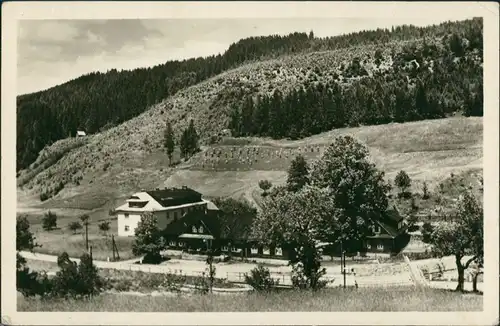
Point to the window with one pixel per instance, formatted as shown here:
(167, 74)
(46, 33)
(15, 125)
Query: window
(368, 246)
(171, 243)
(224, 248)
(254, 251)
(279, 252)
(380, 246)
(194, 229)
(126, 215)
(266, 251)
(181, 244)
(126, 228)
(234, 249)
(200, 229)
(376, 228)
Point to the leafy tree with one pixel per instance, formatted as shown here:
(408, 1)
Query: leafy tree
(169, 141)
(236, 218)
(76, 280)
(462, 237)
(74, 226)
(104, 226)
(311, 216)
(355, 185)
(260, 279)
(403, 182)
(265, 185)
(148, 239)
(298, 174)
(24, 238)
(27, 282)
(85, 219)
(49, 221)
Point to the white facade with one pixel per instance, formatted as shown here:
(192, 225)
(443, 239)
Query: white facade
(129, 214)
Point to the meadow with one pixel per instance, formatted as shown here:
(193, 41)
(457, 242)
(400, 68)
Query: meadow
(366, 299)
(445, 153)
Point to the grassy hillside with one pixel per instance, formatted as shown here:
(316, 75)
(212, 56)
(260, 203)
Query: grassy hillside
(369, 299)
(428, 150)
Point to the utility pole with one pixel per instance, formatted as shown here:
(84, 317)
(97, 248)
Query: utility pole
(343, 253)
(87, 235)
(113, 246)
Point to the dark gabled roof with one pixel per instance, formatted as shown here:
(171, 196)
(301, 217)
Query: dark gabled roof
(209, 219)
(389, 222)
(393, 215)
(175, 196)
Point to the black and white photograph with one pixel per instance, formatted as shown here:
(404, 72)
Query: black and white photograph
(191, 160)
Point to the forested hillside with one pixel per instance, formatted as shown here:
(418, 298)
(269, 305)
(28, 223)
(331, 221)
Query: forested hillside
(447, 77)
(426, 80)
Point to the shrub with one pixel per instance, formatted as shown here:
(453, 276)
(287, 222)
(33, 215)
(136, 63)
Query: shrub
(74, 280)
(49, 221)
(260, 279)
(104, 226)
(265, 185)
(427, 230)
(44, 196)
(74, 226)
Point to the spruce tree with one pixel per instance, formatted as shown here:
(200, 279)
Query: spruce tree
(192, 139)
(298, 174)
(169, 141)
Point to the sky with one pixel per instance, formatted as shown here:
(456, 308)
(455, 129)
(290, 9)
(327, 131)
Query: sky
(51, 52)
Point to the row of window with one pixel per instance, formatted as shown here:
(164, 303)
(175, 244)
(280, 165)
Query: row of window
(181, 211)
(266, 251)
(197, 230)
(379, 246)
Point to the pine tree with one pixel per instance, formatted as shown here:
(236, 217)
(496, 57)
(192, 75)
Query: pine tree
(169, 141)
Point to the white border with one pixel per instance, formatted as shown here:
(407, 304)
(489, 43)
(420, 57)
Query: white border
(13, 11)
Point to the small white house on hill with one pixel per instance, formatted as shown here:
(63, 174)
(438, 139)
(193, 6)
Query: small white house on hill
(80, 133)
(167, 204)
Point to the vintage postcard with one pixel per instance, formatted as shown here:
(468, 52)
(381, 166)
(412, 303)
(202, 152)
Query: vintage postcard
(250, 163)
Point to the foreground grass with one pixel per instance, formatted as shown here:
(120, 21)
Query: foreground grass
(368, 299)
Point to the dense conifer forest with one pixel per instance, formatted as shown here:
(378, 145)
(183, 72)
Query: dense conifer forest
(98, 101)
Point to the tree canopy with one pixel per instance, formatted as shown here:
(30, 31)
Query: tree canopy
(356, 186)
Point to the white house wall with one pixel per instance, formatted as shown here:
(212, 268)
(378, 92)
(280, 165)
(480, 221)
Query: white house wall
(163, 218)
(127, 224)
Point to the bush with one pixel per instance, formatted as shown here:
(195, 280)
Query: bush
(265, 185)
(427, 230)
(49, 221)
(44, 196)
(104, 226)
(74, 226)
(74, 280)
(260, 279)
